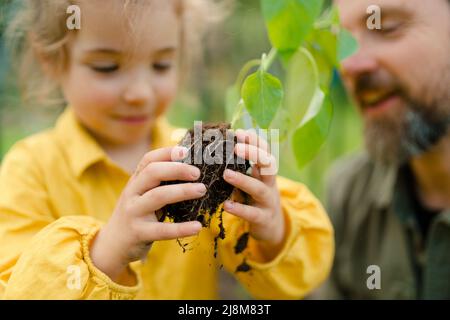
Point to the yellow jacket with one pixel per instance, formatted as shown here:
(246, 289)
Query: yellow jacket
(58, 187)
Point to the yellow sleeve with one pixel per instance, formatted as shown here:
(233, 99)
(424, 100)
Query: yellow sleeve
(305, 259)
(43, 256)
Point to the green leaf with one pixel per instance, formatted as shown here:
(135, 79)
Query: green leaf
(329, 18)
(347, 44)
(322, 44)
(312, 133)
(302, 79)
(262, 94)
(289, 21)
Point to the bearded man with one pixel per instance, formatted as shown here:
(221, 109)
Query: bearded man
(391, 205)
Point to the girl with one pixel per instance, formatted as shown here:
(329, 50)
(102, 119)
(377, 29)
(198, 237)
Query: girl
(77, 221)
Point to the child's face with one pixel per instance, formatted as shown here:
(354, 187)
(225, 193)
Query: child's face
(119, 79)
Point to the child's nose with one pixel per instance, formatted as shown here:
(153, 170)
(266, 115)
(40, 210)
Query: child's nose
(139, 90)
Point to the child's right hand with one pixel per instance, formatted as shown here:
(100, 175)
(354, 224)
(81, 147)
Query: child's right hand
(132, 228)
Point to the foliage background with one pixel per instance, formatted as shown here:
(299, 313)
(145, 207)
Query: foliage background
(242, 37)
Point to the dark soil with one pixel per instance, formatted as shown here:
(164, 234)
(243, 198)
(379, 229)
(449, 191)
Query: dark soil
(243, 267)
(218, 190)
(241, 243)
(240, 246)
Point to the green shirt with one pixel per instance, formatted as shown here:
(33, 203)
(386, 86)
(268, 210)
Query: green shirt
(379, 221)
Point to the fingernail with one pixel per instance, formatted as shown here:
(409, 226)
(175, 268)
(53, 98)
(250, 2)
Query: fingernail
(265, 160)
(179, 153)
(240, 150)
(229, 204)
(183, 151)
(200, 188)
(229, 174)
(195, 173)
(196, 227)
(241, 135)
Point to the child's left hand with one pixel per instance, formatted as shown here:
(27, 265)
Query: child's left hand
(264, 213)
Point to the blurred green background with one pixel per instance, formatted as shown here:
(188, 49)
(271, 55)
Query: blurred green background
(242, 37)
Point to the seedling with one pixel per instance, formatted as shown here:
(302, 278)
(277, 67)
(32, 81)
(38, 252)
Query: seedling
(309, 43)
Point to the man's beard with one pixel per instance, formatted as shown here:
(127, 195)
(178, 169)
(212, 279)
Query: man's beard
(396, 141)
(414, 130)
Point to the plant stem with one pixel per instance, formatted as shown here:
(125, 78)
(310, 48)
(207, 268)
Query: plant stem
(323, 24)
(245, 70)
(239, 81)
(268, 60)
(237, 114)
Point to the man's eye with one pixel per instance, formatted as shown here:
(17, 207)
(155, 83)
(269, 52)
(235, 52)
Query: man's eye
(390, 29)
(162, 66)
(105, 69)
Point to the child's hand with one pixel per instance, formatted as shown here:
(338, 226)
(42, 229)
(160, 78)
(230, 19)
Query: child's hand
(264, 213)
(134, 225)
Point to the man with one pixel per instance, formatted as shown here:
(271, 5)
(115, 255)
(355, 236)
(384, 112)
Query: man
(391, 205)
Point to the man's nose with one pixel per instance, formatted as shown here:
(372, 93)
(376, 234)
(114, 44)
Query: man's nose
(140, 89)
(359, 63)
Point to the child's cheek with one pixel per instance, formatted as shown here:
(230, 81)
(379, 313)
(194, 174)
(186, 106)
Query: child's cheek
(167, 92)
(101, 93)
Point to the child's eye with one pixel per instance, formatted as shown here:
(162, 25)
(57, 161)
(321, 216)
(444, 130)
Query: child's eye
(105, 68)
(162, 66)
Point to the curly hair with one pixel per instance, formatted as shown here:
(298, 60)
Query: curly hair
(38, 31)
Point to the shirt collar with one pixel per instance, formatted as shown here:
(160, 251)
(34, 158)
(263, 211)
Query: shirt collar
(82, 149)
(399, 195)
(404, 199)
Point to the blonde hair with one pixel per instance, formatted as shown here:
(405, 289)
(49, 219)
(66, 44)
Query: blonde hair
(38, 33)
